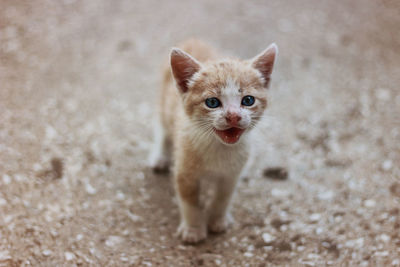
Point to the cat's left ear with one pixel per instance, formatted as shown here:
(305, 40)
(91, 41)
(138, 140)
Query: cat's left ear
(183, 66)
(265, 61)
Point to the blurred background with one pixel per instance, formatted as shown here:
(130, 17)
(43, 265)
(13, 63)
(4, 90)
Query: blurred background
(78, 88)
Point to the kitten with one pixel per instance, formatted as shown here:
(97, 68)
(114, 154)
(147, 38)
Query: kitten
(208, 107)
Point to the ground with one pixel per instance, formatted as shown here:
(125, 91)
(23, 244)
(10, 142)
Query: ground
(78, 87)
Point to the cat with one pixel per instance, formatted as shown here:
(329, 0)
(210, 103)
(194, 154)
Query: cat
(208, 107)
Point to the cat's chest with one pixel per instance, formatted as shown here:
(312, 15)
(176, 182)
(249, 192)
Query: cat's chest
(225, 160)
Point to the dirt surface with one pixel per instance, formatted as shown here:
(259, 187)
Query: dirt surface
(78, 86)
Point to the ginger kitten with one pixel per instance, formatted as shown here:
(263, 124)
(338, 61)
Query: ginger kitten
(208, 107)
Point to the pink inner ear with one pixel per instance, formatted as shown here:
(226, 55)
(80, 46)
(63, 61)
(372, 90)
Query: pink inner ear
(264, 63)
(183, 68)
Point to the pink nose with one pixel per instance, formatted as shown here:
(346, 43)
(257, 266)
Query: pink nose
(233, 118)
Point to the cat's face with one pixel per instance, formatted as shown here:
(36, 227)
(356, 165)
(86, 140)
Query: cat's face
(223, 99)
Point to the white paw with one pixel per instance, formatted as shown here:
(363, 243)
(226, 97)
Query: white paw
(160, 164)
(191, 234)
(220, 225)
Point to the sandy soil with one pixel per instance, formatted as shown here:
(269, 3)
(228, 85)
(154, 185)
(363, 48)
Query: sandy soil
(78, 83)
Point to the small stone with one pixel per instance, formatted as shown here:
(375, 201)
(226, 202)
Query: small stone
(133, 217)
(6, 179)
(57, 166)
(79, 237)
(3, 202)
(301, 248)
(90, 189)
(120, 195)
(315, 217)
(248, 254)
(382, 253)
(396, 262)
(384, 237)
(382, 94)
(326, 195)
(113, 240)
(395, 189)
(387, 165)
(4, 255)
(53, 233)
(313, 256)
(369, 203)
(267, 238)
(47, 252)
(51, 133)
(279, 192)
(276, 173)
(69, 256)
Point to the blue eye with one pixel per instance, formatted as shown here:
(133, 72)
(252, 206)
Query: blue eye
(213, 102)
(248, 100)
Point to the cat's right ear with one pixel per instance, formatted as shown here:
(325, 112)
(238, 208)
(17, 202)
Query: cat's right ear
(183, 66)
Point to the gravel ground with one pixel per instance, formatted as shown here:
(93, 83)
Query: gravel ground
(78, 86)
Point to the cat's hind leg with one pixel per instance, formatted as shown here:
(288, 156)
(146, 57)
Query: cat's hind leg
(160, 154)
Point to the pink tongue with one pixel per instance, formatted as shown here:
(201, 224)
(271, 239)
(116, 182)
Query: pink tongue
(230, 135)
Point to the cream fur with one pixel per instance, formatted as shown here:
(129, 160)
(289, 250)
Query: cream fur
(186, 137)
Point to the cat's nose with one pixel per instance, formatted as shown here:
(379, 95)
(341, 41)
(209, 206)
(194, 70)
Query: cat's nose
(233, 119)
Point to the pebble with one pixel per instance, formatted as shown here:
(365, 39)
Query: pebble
(53, 233)
(382, 94)
(382, 253)
(387, 165)
(267, 237)
(113, 240)
(313, 256)
(120, 195)
(69, 256)
(6, 179)
(248, 254)
(133, 217)
(300, 248)
(47, 252)
(3, 202)
(355, 243)
(306, 263)
(4, 255)
(384, 237)
(51, 133)
(369, 203)
(90, 189)
(326, 195)
(315, 217)
(279, 192)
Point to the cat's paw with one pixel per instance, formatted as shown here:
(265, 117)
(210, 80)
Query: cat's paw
(191, 234)
(160, 165)
(220, 225)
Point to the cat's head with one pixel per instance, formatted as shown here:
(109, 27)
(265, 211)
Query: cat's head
(223, 98)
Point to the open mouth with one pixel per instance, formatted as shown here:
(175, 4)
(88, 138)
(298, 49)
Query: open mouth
(231, 135)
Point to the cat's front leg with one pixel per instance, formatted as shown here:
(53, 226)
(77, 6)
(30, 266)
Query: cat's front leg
(192, 228)
(219, 217)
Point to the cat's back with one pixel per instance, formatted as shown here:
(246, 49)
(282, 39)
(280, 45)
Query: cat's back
(170, 104)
